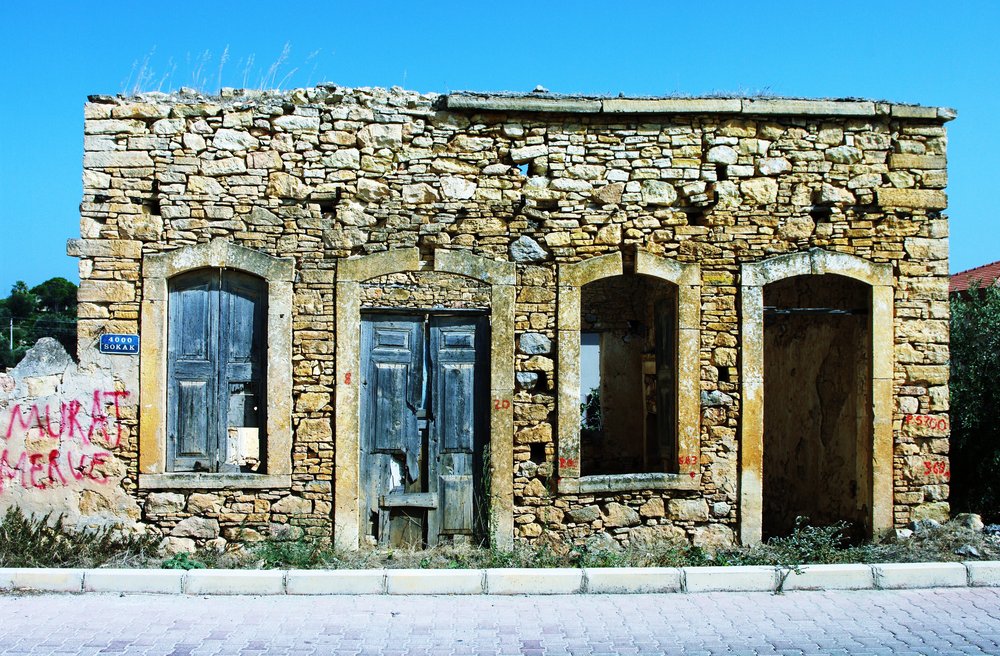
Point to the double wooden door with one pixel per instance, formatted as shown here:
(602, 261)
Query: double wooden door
(422, 425)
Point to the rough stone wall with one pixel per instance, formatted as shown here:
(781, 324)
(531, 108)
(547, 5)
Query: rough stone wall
(327, 173)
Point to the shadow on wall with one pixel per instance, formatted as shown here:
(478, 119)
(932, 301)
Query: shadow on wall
(62, 426)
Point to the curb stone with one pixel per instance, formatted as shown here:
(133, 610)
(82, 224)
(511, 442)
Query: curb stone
(623, 580)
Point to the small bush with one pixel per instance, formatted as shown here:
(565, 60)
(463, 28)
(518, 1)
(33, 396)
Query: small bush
(47, 542)
(182, 561)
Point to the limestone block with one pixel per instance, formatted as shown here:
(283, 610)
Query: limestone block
(381, 135)
(316, 582)
(224, 166)
(657, 192)
(912, 198)
(142, 581)
(200, 503)
(939, 511)
(535, 488)
(267, 159)
(452, 165)
(633, 580)
(292, 505)
(114, 126)
(692, 510)
(169, 126)
(616, 514)
(296, 123)
(549, 515)
(196, 527)
(899, 576)
(833, 195)
(105, 291)
(457, 188)
(610, 235)
(652, 508)
(797, 227)
(344, 158)
(715, 536)
(830, 577)
(657, 536)
(234, 582)
(535, 344)
(730, 579)
(283, 185)
(722, 155)
(908, 161)
(202, 186)
(773, 166)
(228, 139)
(843, 155)
(528, 153)
(526, 249)
(584, 515)
(609, 194)
(760, 191)
(419, 194)
(117, 159)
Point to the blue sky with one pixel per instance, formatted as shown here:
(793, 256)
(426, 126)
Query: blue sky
(56, 53)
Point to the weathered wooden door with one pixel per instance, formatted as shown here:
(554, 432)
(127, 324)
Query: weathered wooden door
(215, 363)
(422, 425)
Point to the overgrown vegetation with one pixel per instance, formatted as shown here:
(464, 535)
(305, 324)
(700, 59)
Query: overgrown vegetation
(975, 402)
(27, 315)
(47, 542)
(806, 545)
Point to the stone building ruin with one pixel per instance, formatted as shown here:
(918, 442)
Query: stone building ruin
(387, 317)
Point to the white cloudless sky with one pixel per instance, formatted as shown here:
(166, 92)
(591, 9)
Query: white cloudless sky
(54, 54)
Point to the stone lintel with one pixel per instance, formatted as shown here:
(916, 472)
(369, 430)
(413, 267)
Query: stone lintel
(673, 106)
(119, 248)
(629, 483)
(464, 263)
(378, 264)
(213, 481)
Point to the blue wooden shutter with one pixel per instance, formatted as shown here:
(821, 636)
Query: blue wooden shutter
(241, 349)
(192, 354)
(393, 381)
(456, 343)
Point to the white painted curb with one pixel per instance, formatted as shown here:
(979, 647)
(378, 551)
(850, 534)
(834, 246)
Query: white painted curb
(828, 577)
(620, 580)
(534, 581)
(434, 581)
(904, 576)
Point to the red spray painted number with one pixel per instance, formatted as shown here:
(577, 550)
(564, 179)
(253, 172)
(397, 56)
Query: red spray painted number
(567, 462)
(501, 404)
(927, 421)
(347, 378)
(939, 468)
(687, 460)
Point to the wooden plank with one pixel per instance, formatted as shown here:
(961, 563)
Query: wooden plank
(409, 500)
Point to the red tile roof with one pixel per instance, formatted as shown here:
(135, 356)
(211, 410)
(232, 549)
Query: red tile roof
(986, 275)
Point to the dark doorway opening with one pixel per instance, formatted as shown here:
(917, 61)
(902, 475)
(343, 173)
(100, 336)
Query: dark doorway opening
(818, 433)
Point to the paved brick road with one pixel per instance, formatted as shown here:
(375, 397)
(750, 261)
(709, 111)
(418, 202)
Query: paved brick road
(963, 621)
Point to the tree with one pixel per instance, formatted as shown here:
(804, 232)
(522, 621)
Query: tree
(47, 310)
(975, 402)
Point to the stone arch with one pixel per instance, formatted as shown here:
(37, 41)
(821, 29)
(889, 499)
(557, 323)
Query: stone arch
(571, 278)
(755, 276)
(157, 270)
(500, 276)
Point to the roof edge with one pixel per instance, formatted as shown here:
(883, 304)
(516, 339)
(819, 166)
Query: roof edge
(748, 106)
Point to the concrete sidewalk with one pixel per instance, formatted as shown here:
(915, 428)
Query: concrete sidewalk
(893, 576)
(934, 621)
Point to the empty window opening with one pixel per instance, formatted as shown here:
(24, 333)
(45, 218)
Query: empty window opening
(628, 412)
(817, 403)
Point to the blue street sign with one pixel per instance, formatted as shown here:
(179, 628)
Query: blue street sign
(119, 344)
